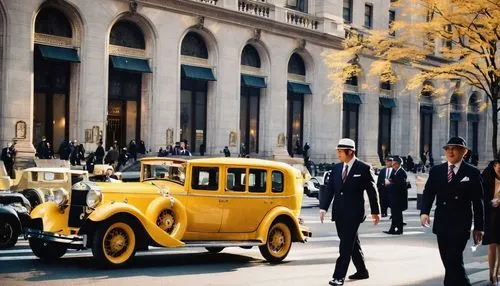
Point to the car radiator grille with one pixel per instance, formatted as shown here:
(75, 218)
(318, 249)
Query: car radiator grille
(77, 208)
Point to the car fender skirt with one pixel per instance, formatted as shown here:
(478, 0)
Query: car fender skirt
(160, 205)
(105, 211)
(52, 217)
(285, 215)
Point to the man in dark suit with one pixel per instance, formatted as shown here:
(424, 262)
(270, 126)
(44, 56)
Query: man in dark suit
(397, 190)
(346, 185)
(383, 196)
(456, 185)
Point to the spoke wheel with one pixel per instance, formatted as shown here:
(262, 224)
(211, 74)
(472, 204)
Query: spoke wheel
(114, 243)
(167, 221)
(279, 242)
(8, 234)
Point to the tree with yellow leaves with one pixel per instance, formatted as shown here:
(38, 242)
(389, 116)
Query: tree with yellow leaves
(448, 41)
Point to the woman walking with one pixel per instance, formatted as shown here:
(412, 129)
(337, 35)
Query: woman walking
(491, 177)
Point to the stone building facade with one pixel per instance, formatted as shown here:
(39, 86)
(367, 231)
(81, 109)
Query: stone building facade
(215, 73)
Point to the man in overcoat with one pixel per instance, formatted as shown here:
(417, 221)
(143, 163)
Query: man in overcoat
(397, 190)
(385, 173)
(458, 190)
(346, 185)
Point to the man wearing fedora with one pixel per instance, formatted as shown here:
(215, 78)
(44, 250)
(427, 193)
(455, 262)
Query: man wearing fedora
(397, 189)
(458, 190)
(346, 185)
(382, 181)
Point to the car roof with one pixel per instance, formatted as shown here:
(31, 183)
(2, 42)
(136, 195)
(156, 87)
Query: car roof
(55, 170)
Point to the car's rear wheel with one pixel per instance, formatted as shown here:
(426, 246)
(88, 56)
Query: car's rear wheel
(114, 243)
(214, 250)
(279, 242)
(47, 250)
(8, 232)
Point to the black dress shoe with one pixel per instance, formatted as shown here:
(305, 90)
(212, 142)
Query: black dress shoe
(359, 275)
(336, 282)
(389, 231)
(404, 223)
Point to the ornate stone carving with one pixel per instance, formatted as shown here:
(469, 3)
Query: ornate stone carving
(233, 137)
(133, 6)
(281, 140)
(301, 44)
(200, 22)
(126, 51)
(257, 34)
(20, 130)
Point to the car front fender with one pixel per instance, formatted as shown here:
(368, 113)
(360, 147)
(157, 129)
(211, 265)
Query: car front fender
(107, 210)
(52, 217)
(285, 215)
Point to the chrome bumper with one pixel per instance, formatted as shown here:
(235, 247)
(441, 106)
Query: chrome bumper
(71, 241)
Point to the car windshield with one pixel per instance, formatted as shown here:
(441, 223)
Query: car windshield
(165, 171)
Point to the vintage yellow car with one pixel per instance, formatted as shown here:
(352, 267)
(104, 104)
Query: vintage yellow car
(41, 184)
(212, 203)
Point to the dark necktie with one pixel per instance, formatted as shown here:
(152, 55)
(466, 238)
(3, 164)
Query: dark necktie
(344, 174)
(451, 174)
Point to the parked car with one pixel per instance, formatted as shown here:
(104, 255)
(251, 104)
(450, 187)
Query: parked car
(39, 184)
(311, 187)
(130, 173)
(14, 212)
(212, 203)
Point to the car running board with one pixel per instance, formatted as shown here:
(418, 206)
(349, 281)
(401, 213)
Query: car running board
(216, 243)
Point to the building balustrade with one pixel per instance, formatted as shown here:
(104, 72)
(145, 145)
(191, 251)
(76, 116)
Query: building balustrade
(258, 8)
(301, 19)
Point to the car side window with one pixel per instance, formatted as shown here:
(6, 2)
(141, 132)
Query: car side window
(205, 178)
(235, 179)
(277, 182)
(257, 181)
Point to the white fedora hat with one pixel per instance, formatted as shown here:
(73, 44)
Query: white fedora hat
(346, 143)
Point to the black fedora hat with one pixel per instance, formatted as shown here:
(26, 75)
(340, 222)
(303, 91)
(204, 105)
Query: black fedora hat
(456, 141)
(397, 159)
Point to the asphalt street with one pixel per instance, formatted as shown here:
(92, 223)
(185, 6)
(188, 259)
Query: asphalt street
(410, 259)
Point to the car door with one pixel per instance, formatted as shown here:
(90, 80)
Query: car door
(204, 207)
(246, 199)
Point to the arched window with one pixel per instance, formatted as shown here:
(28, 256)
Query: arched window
(455, 102)
(127, 34)
(193, 45)
(51, 21)
(296, 65)
(474, 103)
(250, 57)
(455, 115)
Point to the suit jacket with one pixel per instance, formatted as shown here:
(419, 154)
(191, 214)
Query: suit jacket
(453, 214)
(398, 190)
(348, 200)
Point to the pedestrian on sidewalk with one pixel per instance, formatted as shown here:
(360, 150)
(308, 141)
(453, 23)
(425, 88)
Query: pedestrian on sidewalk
(346, 185)
(491, 179)
(382, 180)
(456, 185)
(397, 193)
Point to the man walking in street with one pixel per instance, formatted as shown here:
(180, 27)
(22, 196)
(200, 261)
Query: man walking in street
(385, 174)
(456, 185)
(347, 183)
(397, 190)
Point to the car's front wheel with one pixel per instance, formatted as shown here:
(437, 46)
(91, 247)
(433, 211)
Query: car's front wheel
(47, 250)
(279, 242)
(8, 232)
(114, 243)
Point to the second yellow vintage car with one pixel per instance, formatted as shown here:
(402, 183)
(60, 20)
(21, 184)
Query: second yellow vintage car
(212, 203)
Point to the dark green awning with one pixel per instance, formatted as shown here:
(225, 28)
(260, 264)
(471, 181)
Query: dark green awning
(387, 102)
(455, 116)
(472, 117)
(352, 98)
(58, 53)
(253, 81)
(130, 64)
(199, 73)
(296, 87)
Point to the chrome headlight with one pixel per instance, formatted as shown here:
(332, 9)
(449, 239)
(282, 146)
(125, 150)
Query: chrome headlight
(94, 197)
(81, 186)
(60, 196)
